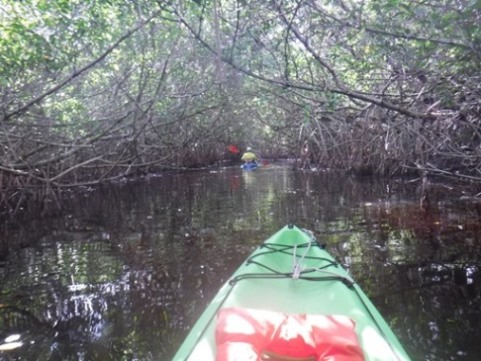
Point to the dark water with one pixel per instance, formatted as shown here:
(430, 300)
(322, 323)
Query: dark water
(125, 270)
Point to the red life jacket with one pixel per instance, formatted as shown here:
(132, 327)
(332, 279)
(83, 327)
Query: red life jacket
(258, 335)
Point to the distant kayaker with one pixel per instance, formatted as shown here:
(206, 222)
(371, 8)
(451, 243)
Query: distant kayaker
(249, 156)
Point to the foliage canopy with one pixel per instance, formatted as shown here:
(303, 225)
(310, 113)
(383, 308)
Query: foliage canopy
(96, 90)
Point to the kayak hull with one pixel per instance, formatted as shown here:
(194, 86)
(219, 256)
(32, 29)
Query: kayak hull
(318, 285)
(250, 166)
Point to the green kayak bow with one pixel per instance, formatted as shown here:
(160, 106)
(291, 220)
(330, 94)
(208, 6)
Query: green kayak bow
(291, 273)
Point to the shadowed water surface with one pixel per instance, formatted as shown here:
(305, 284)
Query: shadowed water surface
(124, 271)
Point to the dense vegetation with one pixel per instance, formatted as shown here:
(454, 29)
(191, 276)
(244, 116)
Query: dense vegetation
(100, 89)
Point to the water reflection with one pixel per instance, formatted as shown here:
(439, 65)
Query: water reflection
(124, 271)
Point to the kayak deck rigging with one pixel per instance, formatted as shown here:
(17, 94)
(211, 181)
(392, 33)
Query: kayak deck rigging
(297, 272)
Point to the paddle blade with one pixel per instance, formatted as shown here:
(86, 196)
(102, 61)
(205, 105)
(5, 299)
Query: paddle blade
(233, 149)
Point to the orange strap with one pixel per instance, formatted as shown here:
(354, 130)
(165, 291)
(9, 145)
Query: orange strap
(271, 356)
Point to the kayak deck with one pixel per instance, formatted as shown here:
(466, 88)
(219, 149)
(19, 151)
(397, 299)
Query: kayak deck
(294, 274)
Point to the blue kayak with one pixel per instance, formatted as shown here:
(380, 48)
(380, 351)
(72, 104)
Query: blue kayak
(250, 166)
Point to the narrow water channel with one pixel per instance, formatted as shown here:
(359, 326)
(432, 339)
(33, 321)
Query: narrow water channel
(124, 271)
